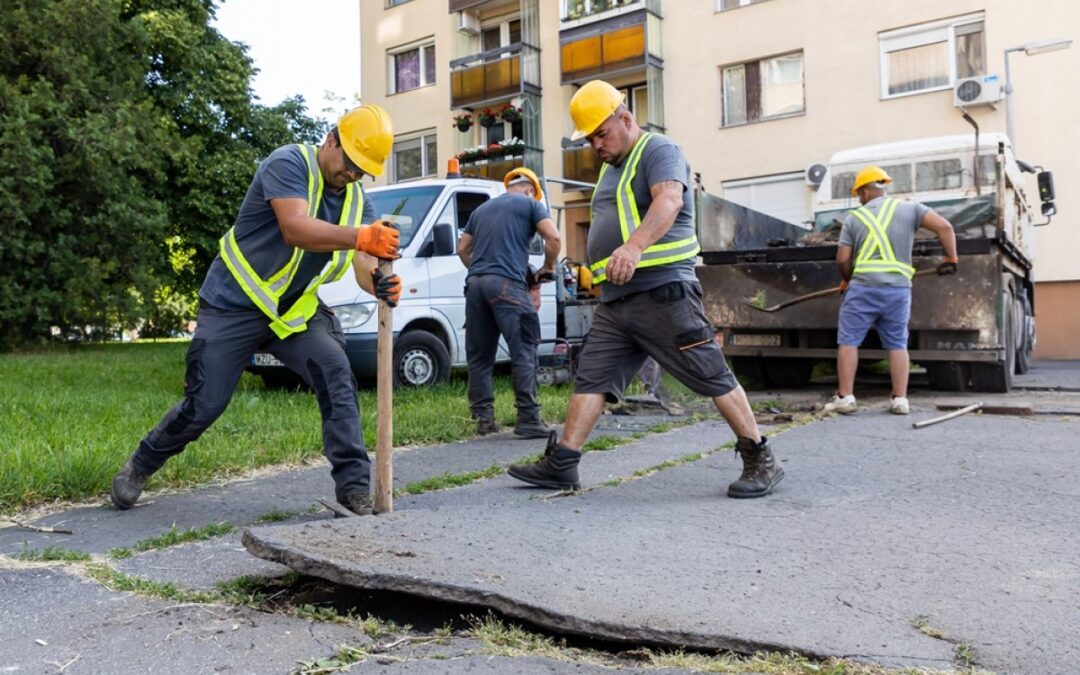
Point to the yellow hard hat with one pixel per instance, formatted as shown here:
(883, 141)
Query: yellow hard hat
(538, 194)
(867, 175)
(592, 105)
(367, 137)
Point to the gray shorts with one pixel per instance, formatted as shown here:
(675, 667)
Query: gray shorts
(666, 323)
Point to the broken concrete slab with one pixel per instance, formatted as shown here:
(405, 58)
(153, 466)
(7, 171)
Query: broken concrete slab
(873, 527)
(52, 619)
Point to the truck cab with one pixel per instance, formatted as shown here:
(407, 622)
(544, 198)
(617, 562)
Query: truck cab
(429, 321)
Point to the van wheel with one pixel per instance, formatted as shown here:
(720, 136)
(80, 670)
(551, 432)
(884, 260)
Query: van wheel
(420, 360)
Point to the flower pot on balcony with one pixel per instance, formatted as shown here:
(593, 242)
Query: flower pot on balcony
(486, 121)
(463, 125)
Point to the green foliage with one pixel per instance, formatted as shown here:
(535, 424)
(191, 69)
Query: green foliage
(52, 554)
(129, 135)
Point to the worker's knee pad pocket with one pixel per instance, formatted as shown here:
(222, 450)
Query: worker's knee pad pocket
(700, 352)
(335, 330)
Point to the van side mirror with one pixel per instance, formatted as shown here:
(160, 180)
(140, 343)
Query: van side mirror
(1046, 186)
(443, 237)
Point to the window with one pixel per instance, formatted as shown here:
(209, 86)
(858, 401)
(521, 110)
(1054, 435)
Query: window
(395, 3)
(900, 174)
(500, 35)
(412, 68)
(406, 207)
(762, 90)
(414, 157)
(722, 5)
(931, 57)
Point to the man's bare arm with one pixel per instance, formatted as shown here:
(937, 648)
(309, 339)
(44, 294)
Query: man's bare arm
(465, 249)
(552, 243)
(843, 261)
(937, 224)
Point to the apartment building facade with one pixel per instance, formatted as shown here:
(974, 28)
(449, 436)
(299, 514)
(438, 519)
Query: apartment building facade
(756, 91)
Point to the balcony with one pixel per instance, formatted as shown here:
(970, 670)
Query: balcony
(611, 43)
(574, 10)
(580, 163)
(485, 77)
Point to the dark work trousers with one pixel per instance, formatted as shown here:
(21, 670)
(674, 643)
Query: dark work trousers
(223, 344)
(494, 306)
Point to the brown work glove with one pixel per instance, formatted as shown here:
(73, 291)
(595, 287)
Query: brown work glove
(948, 267)
(379, 239)
(843, 286)
(387, 286)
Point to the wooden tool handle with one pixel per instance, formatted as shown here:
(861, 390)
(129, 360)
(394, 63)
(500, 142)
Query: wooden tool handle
(384, 407)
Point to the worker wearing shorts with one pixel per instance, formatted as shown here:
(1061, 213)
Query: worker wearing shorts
(874, 258)
(642, 251)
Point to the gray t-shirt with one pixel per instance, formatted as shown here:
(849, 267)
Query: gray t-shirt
(662, 160)
(901, 232)
(283, 174)
(502, 229)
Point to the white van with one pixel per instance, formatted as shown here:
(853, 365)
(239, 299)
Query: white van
(429, 321)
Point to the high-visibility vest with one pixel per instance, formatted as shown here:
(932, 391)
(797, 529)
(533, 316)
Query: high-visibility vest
(876, 253)
(664, 251)
(266, 293)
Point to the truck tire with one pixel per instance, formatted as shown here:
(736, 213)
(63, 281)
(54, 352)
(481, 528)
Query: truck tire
(1025, 342)
(750, 370)
(997, 377)
(420, 360)
(788, 373)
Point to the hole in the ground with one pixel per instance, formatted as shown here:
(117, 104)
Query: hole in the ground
(425, 615)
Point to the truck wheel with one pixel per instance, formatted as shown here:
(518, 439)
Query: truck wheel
(788, 373)
(420, 360)
(749, 369)
(1025, 342)
(997, 377)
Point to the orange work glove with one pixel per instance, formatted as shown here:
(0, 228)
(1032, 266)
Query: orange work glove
(843, 286)
(387, 286)
(948, 267)
(379, 239)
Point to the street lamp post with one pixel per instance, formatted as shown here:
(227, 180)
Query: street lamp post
(1031, 49)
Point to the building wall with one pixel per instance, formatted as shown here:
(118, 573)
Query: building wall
(1057, 323)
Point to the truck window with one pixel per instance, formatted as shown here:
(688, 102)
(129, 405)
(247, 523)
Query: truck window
(938, 174)
(406, 207)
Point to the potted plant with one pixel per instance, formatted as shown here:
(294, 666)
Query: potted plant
(463, 122)
(510, 113)
(486, 117)
(495, 151)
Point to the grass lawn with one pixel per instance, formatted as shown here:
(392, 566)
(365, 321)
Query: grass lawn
(69, 418)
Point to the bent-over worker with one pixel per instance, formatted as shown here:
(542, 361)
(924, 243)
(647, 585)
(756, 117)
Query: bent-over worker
(304, 221)
(499, 300)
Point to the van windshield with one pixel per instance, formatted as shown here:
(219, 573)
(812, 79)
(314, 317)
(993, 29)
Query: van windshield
(406, 207)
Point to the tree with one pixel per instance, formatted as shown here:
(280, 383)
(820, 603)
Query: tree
(128, 135)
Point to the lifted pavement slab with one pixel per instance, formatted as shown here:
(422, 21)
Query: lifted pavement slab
(970, 523)
(77, 626)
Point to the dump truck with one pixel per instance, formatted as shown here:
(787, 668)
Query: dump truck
(972, 331)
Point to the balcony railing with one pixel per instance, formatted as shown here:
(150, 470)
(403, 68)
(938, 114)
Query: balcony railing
(580, 9)
(486, 76)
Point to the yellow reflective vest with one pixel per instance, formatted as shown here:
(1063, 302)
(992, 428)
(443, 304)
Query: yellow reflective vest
(266, 293)
(876, 253)
(662, 252)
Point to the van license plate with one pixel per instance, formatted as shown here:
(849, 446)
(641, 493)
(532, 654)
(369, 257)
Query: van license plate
(755, 340)
(266, 360)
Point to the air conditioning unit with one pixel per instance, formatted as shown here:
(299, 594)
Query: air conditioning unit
(468, 22)
(814, 174)
(980, 90)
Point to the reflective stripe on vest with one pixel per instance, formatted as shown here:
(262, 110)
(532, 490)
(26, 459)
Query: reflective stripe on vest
(266, 293)
(877, 243)
(629, 220)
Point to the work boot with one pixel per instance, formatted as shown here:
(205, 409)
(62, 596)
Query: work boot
(532, 428)
(486, 427)
(761, 471)
(127, 485)
(358, 502)
(556, 470)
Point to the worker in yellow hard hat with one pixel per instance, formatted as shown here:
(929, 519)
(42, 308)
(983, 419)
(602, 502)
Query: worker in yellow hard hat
(303, 222)
(877, 283)
(642, 249)
(502, 297)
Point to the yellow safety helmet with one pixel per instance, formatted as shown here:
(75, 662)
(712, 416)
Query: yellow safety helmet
(867, 175)
(367, 137)
(521, 171)
(592, 105)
